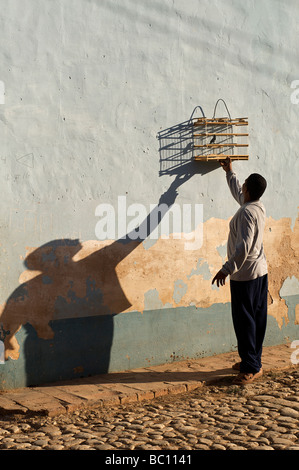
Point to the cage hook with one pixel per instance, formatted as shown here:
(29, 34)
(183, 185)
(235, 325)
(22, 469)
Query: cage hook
(194, 112)
(220, 99)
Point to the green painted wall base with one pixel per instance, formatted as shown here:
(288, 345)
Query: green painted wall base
(94, 345)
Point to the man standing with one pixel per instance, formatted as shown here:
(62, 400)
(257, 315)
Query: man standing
(247, 268)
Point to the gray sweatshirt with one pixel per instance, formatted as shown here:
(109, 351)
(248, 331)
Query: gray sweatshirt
(245, 252)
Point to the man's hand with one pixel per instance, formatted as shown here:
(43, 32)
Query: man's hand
(226, 164)
(220, 278)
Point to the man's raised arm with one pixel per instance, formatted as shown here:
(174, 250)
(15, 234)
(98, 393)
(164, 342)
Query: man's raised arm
(232, 181)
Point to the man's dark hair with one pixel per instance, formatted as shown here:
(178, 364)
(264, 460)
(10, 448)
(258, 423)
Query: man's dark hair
(256, 185)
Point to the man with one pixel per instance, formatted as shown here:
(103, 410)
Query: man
(247, 268)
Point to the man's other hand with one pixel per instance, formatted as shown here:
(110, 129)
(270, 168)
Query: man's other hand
(220, 278)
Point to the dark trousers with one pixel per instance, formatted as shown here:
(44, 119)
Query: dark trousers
(249, 312)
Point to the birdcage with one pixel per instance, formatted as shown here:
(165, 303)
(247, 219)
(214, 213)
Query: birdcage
(219, 138)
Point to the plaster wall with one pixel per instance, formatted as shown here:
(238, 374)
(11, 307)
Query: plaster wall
(94, 109)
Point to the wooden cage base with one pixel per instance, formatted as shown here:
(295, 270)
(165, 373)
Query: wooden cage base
(216, 157)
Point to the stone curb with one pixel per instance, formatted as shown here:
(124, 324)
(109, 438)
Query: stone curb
(132, 386)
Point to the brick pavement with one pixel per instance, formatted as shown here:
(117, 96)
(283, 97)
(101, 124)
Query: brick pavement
(132, 386)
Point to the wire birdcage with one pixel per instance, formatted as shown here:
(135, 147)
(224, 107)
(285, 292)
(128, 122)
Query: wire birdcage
(219, 138)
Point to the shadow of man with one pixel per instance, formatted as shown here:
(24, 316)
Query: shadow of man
(87, 287)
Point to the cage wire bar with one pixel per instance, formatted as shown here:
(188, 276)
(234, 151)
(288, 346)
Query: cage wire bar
(219, 138)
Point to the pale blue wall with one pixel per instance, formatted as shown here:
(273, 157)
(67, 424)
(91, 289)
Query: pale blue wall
(89, 87)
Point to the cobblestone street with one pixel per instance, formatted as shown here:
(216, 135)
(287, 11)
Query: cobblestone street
(261, 416)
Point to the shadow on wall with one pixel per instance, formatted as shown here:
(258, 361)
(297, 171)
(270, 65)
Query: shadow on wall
(86, 293)
(176, 150)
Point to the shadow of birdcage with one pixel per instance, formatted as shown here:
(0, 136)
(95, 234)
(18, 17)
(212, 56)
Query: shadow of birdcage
(176, 150)
(175, 147)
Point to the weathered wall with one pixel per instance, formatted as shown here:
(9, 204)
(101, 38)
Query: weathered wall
(96, 107)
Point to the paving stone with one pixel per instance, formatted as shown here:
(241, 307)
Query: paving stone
(290, 412)
(8, 405)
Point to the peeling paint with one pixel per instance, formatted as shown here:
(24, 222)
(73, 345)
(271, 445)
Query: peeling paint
(152, 300)
(289, 287)
(201, 268)
(281, 242)
(180, 289)
(100, 278)
(222, 251)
